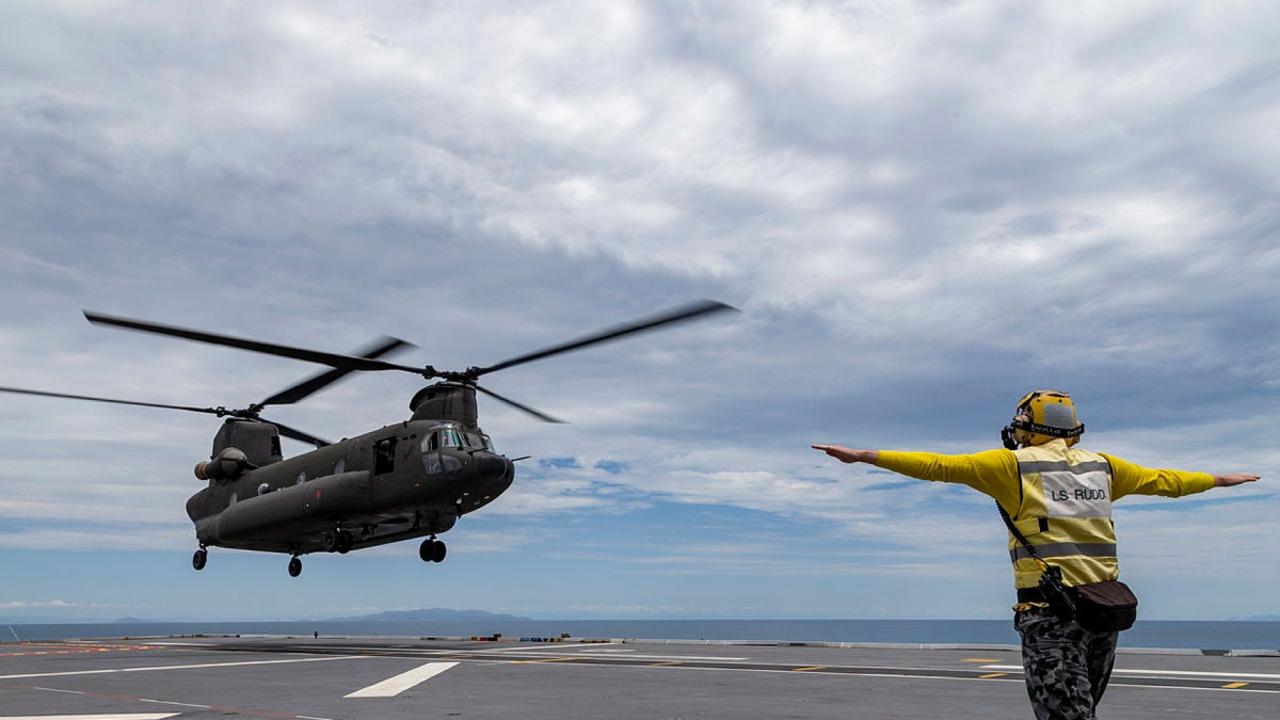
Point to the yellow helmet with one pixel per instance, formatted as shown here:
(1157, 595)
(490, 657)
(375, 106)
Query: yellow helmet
(1041, 416)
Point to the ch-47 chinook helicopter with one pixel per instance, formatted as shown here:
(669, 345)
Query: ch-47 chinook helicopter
(411, 479)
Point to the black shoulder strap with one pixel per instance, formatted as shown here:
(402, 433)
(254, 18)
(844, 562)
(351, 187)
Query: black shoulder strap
(1008, 521)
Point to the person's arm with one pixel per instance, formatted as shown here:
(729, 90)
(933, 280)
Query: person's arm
(993, 472)
(1131, 479)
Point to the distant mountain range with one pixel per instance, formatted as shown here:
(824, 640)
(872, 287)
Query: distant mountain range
(425, 615)
(431, 614)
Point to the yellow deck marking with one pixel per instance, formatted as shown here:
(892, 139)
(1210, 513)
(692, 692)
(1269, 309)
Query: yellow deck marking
(982, 660)
(666, 663)
(988, 676)
(1234, 685)
(811, 667)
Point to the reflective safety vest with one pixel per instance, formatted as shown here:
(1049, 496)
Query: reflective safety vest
(1065, 513)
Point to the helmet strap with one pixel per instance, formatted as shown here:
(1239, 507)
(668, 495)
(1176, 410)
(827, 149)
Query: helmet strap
(1029, 426)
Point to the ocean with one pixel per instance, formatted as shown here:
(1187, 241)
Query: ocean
(1208, 635)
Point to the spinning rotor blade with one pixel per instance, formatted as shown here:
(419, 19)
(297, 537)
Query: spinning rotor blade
(298, 435)
(540, 415)
(293, 394)
(334, 360)
(678, 315)
(219, 411)
(188, 408)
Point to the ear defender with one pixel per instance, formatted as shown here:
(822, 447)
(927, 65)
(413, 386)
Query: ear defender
(1006, 437)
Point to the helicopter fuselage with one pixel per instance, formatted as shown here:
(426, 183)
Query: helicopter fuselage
(402, 481)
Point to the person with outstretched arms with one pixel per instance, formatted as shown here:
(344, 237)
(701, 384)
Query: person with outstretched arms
(1055, 499)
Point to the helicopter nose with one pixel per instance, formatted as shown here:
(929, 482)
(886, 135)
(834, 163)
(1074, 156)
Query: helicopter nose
(494, 466)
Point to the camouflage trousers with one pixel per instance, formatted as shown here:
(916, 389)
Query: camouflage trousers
(1066, 666)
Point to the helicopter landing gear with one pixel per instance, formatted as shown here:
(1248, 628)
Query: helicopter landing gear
(338, 541)
(295, 566)
(432, 550)
(199, 559)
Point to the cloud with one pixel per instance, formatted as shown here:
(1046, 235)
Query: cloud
(923, 209)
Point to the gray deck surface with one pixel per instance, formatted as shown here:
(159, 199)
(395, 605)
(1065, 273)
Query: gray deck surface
(306, 678)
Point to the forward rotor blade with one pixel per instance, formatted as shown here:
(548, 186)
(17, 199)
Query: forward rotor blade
(334, 360)
(519, 406)
(188, 408)
(298, 435)
(678, 315)
(294, 393)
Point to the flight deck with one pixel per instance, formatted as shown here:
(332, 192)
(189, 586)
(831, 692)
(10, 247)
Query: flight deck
(392, 678)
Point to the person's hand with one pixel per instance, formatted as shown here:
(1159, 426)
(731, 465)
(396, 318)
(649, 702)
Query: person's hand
(1233, 479)
(848, 455)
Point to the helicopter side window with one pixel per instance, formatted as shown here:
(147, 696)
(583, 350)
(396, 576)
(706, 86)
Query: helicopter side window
(384, 456)
(488, 442)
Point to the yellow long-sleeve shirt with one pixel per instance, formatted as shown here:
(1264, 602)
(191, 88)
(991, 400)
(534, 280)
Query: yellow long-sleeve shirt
(995, 473)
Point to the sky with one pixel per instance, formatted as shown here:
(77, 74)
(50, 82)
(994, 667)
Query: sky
(923, 210)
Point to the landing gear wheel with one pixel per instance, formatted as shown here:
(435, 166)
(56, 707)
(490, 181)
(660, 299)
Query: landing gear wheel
(344, 541)
(329, 541)
(432, 550)
(295, 567)
(199, 559)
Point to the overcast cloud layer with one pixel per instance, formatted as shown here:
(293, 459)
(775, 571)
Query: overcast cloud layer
(923, 210)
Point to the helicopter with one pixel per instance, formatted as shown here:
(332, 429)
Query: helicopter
(407, 480)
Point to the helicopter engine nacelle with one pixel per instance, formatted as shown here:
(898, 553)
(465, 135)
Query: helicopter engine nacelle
(445, 401)
(228, 464)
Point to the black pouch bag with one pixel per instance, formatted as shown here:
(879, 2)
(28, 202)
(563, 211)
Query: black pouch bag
(1108, 606)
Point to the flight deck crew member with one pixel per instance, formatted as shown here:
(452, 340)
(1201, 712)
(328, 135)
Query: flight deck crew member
(1059, 498)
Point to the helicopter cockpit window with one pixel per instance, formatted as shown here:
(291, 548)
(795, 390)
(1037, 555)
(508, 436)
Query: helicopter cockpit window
(384, 456)
(488, 443)
(449, 437)
(474, 440)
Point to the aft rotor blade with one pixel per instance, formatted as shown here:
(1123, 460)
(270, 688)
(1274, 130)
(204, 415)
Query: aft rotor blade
(298, 435)
(313, 384)
(42, 393)
(334, 360)
(653, 322)
(519, 406)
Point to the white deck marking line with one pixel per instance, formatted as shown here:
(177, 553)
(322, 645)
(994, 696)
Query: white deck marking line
(310, 717)
(174, 702)
(641, 656)
(180, 644)
(109, 716)
(196, 666)
(1179, 673)
(555, 647)
(69, 692)
(598, 654)
(393, 686)
(1121, 684)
